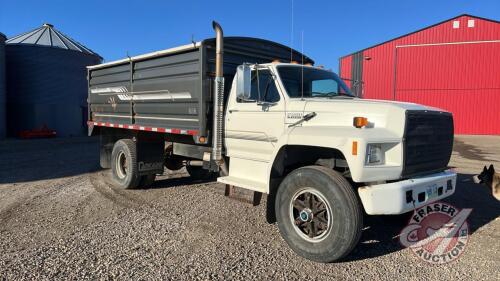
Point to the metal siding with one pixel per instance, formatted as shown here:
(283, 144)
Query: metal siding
(176, 74)
(165, 75)
(345, 70)
(468, 86)
(357, 74)
(379, 73)
(3, 89)
(46, 86)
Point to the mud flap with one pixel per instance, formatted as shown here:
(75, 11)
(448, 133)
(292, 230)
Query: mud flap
(243, 195)
(150, 154)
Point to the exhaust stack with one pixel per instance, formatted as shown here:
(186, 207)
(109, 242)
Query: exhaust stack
(219, 49)
(218, 95)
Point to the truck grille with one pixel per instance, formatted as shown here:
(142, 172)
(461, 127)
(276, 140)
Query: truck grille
(428, 142)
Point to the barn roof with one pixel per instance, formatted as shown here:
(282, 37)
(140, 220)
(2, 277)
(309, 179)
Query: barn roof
(422, 29)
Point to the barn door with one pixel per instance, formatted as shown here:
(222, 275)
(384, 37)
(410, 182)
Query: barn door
(458, 77)
(357, 74)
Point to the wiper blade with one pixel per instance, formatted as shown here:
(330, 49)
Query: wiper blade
(321, 95)
(343, 96)
(329, 95)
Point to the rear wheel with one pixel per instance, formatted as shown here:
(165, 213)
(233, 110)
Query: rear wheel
(124, 164)
(318, 214)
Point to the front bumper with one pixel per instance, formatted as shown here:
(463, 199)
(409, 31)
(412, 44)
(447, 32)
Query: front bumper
(406, 195)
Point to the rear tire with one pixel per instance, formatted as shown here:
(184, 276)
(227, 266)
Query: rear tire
(124, 164)
(318, 214)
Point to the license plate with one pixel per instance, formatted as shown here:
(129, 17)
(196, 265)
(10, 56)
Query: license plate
(432, 191)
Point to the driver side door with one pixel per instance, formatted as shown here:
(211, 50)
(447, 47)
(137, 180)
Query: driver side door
(254, 126)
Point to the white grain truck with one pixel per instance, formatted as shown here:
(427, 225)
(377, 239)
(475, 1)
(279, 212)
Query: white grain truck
(235, 107)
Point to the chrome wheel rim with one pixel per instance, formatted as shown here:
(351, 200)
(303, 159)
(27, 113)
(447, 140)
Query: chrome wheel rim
(310, 214)
(121, 165)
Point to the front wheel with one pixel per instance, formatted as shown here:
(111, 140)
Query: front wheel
(318, 214)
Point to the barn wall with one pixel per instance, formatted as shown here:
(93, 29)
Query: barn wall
(345, 67)
(468, 86)
(456, 77)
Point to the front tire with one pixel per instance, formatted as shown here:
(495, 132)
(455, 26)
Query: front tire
(318, 214)
(124, 164)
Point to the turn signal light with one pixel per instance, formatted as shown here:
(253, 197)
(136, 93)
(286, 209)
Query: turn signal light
(354, 148)
(360, 122)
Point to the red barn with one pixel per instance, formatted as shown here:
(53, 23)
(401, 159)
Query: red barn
(453, 65)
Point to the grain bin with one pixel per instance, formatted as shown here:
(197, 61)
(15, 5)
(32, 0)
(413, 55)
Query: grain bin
(2, 87)
(47, 82)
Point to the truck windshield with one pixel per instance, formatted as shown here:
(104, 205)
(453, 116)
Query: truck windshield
(317, 82)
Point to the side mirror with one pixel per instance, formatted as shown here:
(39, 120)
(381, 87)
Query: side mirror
(243, 82)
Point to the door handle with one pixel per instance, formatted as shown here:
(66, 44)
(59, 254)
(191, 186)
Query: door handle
(233, 110)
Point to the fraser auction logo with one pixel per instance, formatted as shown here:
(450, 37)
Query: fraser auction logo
(437, 233)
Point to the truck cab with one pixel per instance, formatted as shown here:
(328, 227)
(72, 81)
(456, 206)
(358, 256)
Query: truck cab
(283, 115)
(295, 132)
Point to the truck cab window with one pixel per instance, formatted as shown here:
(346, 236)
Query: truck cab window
(323, 87)
(265, 86)
(312, 82)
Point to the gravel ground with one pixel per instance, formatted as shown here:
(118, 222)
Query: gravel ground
(60, 219)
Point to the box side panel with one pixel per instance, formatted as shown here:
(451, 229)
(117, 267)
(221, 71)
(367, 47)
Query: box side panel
(161, 92)
(166, 91)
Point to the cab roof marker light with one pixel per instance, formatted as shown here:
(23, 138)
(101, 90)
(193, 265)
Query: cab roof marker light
(360, 122)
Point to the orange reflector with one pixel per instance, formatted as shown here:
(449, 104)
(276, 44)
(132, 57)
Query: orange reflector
(354, 148)
(202, 140)
(360, 122)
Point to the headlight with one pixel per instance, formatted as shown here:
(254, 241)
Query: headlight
(374, 154)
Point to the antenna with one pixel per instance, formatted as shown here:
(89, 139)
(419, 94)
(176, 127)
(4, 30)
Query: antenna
(302, 66)
(291, 38)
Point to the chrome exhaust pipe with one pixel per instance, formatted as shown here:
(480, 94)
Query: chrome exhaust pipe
(219, 49)
(194, 163)
(218, 99)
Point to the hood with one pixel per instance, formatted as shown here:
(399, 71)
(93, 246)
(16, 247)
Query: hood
(339, 112)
